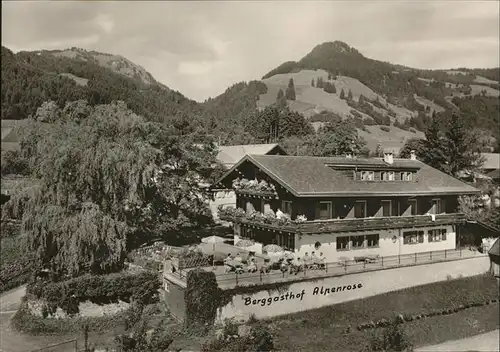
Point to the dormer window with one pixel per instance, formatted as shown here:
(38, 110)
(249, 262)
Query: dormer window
(367, 176)
(387, 176)
(406, 176)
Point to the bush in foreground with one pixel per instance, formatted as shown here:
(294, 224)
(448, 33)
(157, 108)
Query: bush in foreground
(391, 339)
(257, 339)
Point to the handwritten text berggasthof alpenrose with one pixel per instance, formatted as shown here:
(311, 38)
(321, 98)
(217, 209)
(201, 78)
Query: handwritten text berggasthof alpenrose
(291, 296)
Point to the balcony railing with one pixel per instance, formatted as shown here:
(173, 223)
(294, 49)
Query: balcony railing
(338, 225)
(227, 280)
(257, 193)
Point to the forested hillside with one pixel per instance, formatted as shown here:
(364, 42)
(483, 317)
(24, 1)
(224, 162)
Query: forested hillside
(31, 78)
(333, 81)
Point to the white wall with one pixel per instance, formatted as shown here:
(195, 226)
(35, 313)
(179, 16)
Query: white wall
(387, 247)
(352, 287)
(224, 198)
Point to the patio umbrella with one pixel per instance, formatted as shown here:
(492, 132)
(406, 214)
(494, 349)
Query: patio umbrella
(213, 240)
(273, 248)
(244, 243)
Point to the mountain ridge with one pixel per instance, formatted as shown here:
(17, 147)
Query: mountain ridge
(383, 93)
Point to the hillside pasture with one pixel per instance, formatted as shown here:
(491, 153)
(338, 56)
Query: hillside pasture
(311, 100)
(394, 139)
(12, 134)
(477, 89)
(484, 80)
(426, 102)
(79, 80)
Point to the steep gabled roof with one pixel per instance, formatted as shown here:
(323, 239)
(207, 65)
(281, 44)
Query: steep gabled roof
(231, 154)
(495, 174)
(316, 176)
(495, 250)
(492, 161)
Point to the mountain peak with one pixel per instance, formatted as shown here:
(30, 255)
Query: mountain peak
(116, 63)
(335, 47)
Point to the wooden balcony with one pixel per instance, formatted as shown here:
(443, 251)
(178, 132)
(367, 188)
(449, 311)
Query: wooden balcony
(257, 194)
(341, 225)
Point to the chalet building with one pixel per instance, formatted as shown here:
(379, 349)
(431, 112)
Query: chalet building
(344, 207)
(229, 156)
(494, 254)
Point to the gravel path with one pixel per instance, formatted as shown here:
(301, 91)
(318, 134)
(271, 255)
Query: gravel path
(488, 342)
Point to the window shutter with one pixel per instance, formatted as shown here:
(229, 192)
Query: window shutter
(316, 212)
(443, 234)
(421, 237)
(405, 239)
(429, 236)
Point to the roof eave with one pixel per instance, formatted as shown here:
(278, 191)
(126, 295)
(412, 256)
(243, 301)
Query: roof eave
(379, 194)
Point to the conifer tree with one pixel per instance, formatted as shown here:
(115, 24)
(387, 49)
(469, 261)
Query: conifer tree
(280, 99)
(342, 94)
(349, 95)
(290, 91)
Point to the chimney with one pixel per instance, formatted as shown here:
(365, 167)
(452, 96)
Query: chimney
(413, 155)
(388, 157)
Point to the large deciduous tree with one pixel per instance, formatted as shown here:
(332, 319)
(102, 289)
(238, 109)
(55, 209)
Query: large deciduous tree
(108, 181)
(334, 138)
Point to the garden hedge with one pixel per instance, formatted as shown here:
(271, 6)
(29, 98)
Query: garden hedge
(26, 322)
(139, 287)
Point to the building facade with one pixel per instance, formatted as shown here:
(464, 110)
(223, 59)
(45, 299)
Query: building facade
(229, 156)
(344, 207)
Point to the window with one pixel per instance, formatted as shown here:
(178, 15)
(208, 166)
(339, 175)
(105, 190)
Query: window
(406, 176)
(286, 207)
(387, 176)
(372, 240)
(413, 237)
(342, 243)
(437, 235)
(386, 208)
(286, 240)
(357, 241)
(413, 206)
(324, 210)
(247, 233)
(436, 206)
(360, 209)
(367, 175)
(345, 243)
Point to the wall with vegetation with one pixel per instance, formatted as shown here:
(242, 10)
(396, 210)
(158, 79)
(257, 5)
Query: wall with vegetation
(329, 291)
(174, 299)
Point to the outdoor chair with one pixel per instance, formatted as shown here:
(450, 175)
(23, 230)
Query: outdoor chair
(265, 269)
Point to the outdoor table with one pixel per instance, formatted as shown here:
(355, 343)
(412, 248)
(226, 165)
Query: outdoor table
(236, 265)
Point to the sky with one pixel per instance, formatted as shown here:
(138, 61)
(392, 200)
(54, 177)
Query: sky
(202, 48)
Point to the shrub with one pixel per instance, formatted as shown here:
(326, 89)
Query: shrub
(412, 130)
(393, 338)
(138, 287)
(385, 128)
(28, 323)
(202, 299)
(259, 339)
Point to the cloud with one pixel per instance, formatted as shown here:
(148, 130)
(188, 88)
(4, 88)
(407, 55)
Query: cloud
(201, 48)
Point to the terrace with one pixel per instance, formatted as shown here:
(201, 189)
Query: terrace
(231, 280)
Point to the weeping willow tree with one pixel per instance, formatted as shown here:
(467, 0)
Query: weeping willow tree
(107, 181)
